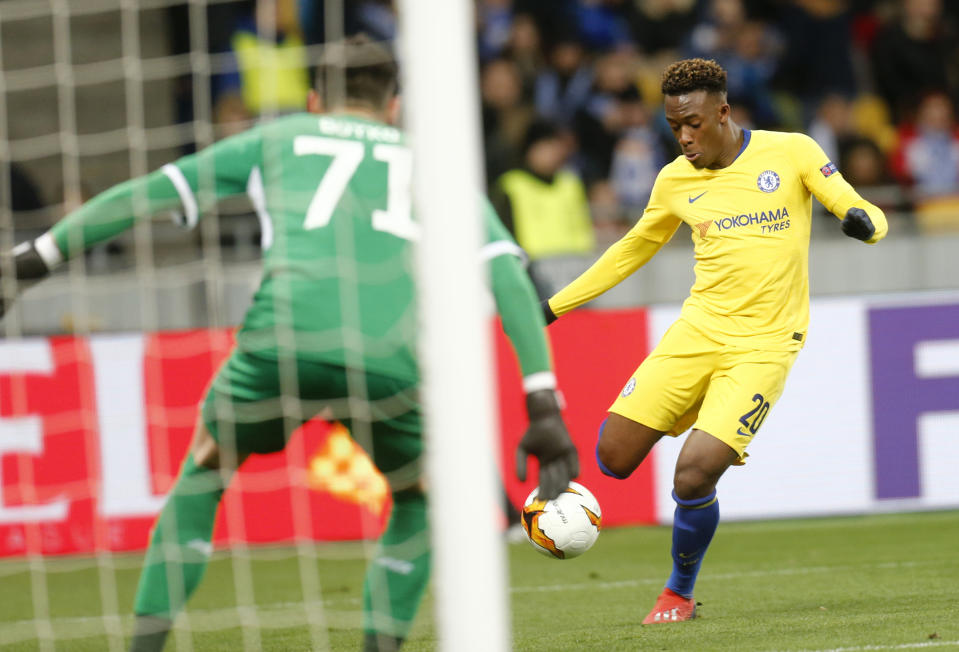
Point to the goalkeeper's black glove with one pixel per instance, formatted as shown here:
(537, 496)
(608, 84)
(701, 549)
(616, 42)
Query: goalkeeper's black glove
(27, 265)
(547, 439)
(857, 224)
(548, 313)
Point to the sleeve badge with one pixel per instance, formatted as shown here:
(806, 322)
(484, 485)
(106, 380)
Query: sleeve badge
(829, 169)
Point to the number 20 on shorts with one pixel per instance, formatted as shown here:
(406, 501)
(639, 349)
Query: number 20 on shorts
(753, 419)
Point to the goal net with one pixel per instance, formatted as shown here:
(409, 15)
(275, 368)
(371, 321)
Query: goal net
(104, 364)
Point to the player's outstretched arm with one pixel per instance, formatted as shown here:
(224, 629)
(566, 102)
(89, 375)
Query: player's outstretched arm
(619, 261)
(654, 229)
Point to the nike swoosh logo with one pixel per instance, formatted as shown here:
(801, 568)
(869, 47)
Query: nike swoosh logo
(692, 199)
(739, 431)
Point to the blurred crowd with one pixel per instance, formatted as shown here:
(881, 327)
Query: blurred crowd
(573, 128)
(875, 83)
(572, 119)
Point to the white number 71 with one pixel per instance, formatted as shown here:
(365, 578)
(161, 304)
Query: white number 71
(347, 156)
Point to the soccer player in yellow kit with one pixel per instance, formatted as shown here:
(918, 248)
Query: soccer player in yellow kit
(747, 199)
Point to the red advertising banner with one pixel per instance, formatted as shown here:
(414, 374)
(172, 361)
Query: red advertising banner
(595, 353)
(96, 430)
(93, 430)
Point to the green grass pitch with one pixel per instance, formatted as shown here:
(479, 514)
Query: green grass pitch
(858, 583)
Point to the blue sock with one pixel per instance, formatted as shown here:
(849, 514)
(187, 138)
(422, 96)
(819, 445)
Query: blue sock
(694, 523)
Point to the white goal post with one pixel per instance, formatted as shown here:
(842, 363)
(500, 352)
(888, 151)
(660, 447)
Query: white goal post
(441, 107)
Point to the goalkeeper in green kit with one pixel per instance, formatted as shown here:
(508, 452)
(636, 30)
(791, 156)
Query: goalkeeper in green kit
(332, 324)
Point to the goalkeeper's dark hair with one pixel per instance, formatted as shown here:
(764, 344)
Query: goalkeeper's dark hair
(359, 70)
(691, 75)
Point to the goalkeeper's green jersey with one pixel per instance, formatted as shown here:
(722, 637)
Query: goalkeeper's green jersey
(332, 193)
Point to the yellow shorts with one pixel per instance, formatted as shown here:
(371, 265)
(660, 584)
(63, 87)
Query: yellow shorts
(689, 380)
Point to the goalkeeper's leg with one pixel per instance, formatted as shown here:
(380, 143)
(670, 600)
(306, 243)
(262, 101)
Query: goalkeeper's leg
(179, 544)
(397, 575)
(399, 572)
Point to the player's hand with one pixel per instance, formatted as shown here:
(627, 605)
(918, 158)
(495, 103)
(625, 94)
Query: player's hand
(547, 439)
(28, 266)
(548, 313)
(857, 224)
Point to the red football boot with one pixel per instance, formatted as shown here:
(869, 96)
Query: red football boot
(671, 608)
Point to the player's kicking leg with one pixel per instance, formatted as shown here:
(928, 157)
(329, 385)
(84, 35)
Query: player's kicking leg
(180, 544)
(747, 383)
(702, 461)
(724, 394)
(623, 445)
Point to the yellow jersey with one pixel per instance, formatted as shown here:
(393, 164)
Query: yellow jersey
(750, 225)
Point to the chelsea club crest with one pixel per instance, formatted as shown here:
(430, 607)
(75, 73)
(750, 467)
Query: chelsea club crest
(768, 181)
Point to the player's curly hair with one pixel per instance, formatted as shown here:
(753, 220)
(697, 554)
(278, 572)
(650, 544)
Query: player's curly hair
(691, 75)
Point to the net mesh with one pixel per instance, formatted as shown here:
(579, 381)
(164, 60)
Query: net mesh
(104, 363)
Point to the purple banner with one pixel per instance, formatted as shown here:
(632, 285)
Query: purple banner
(900, 396)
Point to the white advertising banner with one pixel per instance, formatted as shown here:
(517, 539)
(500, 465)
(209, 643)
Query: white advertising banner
(869, 419)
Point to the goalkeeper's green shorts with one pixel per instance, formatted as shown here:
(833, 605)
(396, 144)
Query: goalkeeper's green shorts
(254, 404)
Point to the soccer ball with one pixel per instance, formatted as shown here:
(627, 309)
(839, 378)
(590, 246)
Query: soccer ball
(564, 527)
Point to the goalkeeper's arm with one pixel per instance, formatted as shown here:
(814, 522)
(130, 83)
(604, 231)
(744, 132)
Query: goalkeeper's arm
(114, 211)
(100, 219)
(225, 168)
(547, 437)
